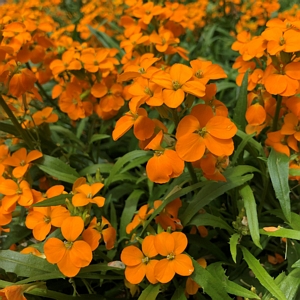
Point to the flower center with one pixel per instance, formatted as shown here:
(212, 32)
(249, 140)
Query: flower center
(148, 92)
(146, 260)
(199, 74)
(171, 256)
(68, 244)
(176, 85)
(22, 163)
(47, 219)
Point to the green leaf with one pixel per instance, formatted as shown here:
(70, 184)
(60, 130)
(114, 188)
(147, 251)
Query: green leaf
(5, 127)
(210, 220)
(129, 210)
(262, 275)
(294, 172)
(241, 105)
(225, 85)
(118, 167)
(240, 148)
(67, 133)
(54, 201)
(98, 137)
(251, 212)
(15, 235)
(295, 222)
(99, 268)
(209, 192)
(233, 241)
(230, 286)
(290, 284)
(57, 168)
(252, 142)
(25, 265)
(278, 165)
(150, 292)
(283, 232)
(92, 169)
(209, 282)
(43, 277)
(179, 294)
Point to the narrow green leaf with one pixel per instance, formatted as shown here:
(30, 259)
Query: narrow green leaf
(67, 133)
(210, 220)
(240, 148)
(225, 85)
(233, 241)
(251, 212)
(290, 284)
(25, 265)
(131, 156)
(43, 277)
(98, 137)
(209, 192)
(92, 169)
(57, 168)
(54, 201)
(8, 128)
(284, 233)
(262, 275)
(241, 105)
(179, 294)
(209, 282)
(252, 142)
(231, 287)
(294, 172)
(150, 292)
(16, 234)
(278, 165)
(129, 210)
(101, 267)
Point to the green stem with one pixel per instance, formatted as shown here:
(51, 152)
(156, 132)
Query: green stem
(277, 112)
(175, 117)
(23, 133)
(192, 172)
(90, 290)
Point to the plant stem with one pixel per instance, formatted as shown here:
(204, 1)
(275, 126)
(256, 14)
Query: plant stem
(277, 112)
(23, 133)
(192, 172)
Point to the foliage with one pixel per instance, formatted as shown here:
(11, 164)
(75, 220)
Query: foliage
(149, 149)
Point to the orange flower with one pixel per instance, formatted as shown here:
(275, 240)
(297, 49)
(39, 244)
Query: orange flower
(22, 82)
(168, 217)
(277, 140)
(213, 166)
(193, 137)
(172, 245)
(15, 192)
(147, 11)
(139, 263)
(291, 126)
(96, 230)
(143, 127)
(206, 70)
(71, 255)
(284, 80)
(146, 91)
(139, 218)
(165, 164)
(176, 83)
(13, 292)
(85, 194)
(41, 219)
(44, 116)
(67, 62)
(21, 161)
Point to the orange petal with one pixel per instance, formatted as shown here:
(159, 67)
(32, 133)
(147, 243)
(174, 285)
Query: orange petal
(72, 227)
(148, 246)
(183, 265)
(80, 254)
(164, 270)
(150, 273)
(135, 274)
(66, 266)
(109, 237)
(221, 127)
(132, 256)
(33, 155)
(54, 250)
(180, 242)
(164, 243)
